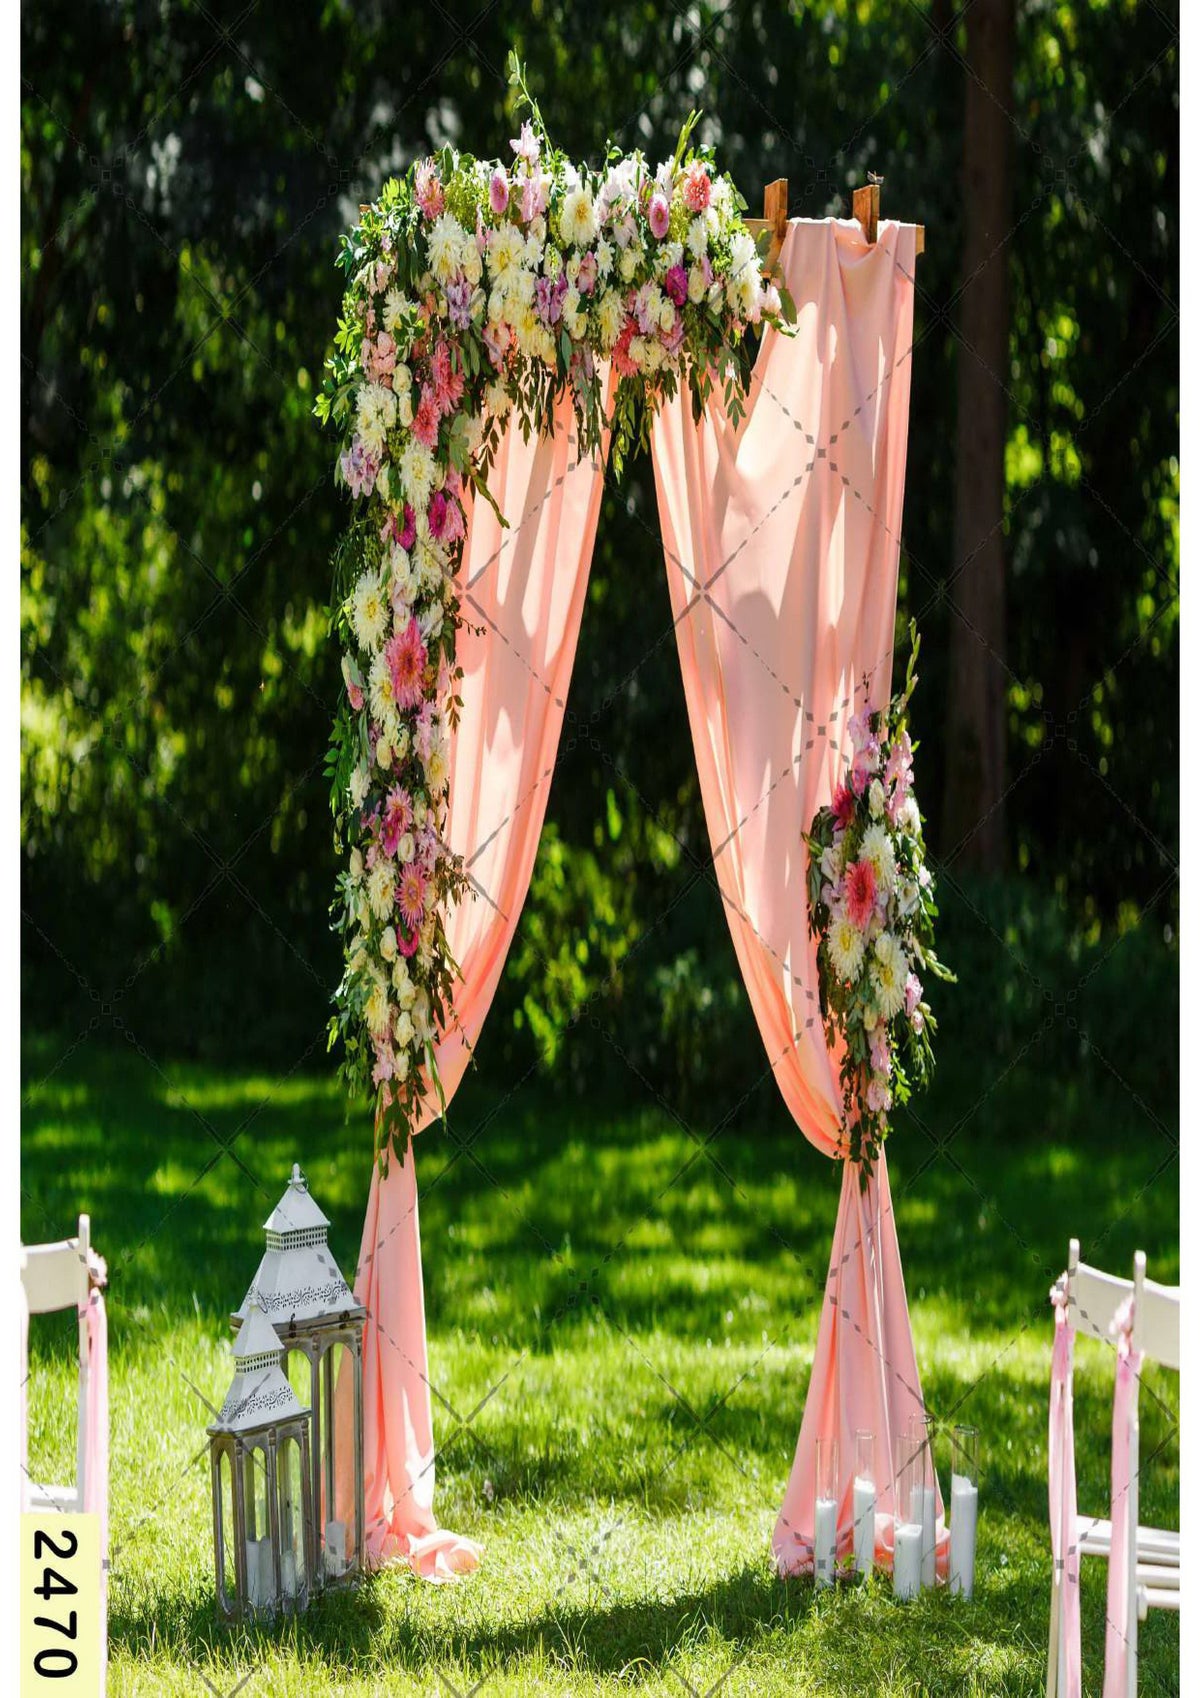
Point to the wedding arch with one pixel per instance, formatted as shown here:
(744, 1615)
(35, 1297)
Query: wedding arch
(506, 329)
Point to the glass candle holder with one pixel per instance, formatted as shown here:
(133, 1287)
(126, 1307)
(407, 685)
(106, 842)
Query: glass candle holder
(826, 1512)
(921, 1436)
(908, 1530)
(964, 1509)
(864, 1501)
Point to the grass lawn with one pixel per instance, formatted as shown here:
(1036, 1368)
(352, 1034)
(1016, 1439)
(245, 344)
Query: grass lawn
(645, 1305)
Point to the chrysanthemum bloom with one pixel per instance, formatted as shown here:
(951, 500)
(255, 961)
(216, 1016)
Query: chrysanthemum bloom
(877, 849)
(843, 806)
(406, 657)
(425, 423)
(697, 188)
(889, 974)
(445, 382)
(660, 217)
(410, 895)
(845, 942)
(397, 817)
(860, 892)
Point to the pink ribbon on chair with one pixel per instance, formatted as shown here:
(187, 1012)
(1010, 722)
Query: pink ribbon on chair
(1120, 1604)
(1064, 1519)
(95, 1430)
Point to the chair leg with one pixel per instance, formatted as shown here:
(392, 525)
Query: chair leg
(1055, 1630)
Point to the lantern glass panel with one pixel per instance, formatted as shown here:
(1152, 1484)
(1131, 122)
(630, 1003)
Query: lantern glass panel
(291, 1519)
(336, 1508)
(258, 1511)
(299, 1375)
(226, 1531)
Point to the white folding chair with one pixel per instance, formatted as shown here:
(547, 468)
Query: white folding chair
(1152, 1553)
(55, 1276)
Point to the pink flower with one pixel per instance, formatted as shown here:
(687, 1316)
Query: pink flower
(912, 995)
(458, 302)
(660, 216)
(385, 1063)
(437, 513)
(671, 339)
(881, 1055)
(860, 893)
(843, 806)
(409, 534)
(352, 679)
(423, 732)
(675, 283)
(360, 468)
(430, 195)
(498, 190)
(410, 896)
(697, 189)
(526, 146)
(447, 384)
(589, 270)
(879, 1098)
(425, 424)
(406, 656)
(397, 817)
(620, 354)
(454, 527)
(406, 944)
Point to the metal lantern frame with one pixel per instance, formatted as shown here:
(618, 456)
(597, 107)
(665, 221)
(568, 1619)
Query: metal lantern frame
(261, 1416)
(313, 1311)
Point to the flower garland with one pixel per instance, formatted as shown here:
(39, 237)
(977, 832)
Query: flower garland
(871, 907)
(474, 288)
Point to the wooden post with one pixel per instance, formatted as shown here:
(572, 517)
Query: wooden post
(866, 210)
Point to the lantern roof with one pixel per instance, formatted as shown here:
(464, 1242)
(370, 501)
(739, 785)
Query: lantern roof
(259, 1395)
(298, 1285)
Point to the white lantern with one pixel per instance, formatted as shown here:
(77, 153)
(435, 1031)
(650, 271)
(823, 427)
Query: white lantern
(264, 1542)
(299, 1287)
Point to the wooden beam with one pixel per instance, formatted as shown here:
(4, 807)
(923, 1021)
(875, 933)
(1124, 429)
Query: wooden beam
(774, 218)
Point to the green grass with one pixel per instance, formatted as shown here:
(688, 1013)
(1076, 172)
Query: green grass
(613, 1278)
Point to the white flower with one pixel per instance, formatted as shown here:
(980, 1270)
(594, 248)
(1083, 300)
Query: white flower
(697, 238)
(380, 689)
(402, 983)
(387, 943)
(404, 1031)
(499, 401)
(376, 1012)
(610, 314)
(877, 848)
(417, 473)
(395, 305)
(383, 753)
(910, 817)
(406, 848)
(696, 285)
(445, 247)
(505, 251)
(845, 947)
(832, 858)
(360, 779)
(604, 257)
(376, 414)
(578, 217)
(875, 799)
(356, 865)
(381, 890)
(630, 260)
(369, 612)
(889, 971)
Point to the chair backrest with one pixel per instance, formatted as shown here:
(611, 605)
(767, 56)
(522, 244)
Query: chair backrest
(55, 1276)
(1095, 1298)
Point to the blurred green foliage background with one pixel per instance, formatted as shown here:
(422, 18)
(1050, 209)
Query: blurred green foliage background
(186, 170)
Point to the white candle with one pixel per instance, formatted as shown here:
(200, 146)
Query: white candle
(260, 1573)
(825, 1541)
(335, 1547)
(906, 1559)
(928, 1497)
(864, 1524)
(964, 1514)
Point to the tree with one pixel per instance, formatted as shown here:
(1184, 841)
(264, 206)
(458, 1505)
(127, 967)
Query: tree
(973, 819)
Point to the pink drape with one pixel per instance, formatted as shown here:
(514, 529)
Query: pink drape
(1116, 1630)
(782, 539)
(523, 592)
(1064, 1516)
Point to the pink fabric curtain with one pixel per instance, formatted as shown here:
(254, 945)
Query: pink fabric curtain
(1116, 1630)
(782, 539)
(523, 590)
(1064, 1517)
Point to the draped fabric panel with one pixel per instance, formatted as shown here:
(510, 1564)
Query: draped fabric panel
(523, 591)
(782, 538)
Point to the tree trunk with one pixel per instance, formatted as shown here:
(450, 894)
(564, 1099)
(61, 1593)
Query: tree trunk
(975, 731)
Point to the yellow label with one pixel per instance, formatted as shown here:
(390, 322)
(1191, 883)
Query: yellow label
(62, 1625)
